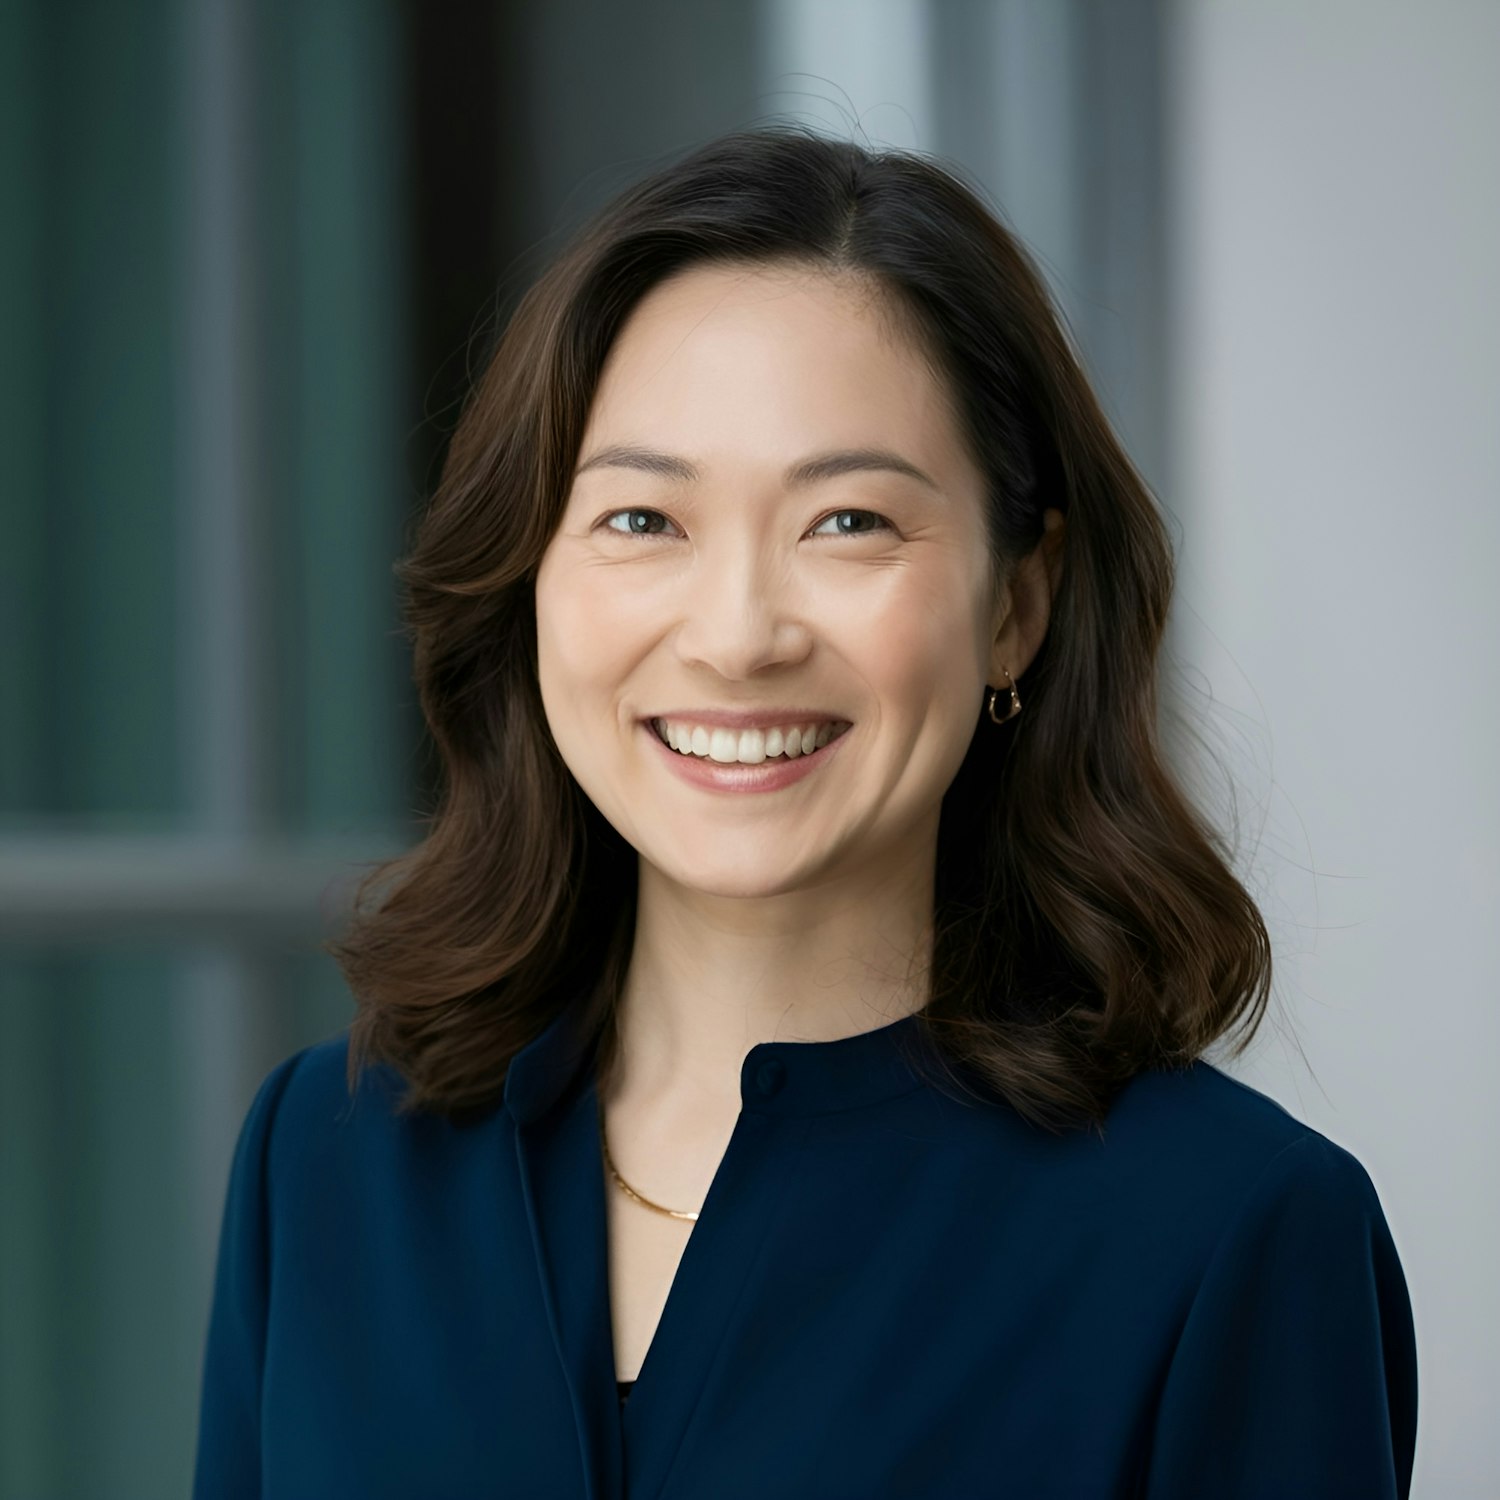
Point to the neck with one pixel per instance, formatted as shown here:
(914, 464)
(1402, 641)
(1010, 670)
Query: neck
(710, 977)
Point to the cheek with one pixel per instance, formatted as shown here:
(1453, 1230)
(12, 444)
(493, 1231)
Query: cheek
(922, 656)
(577, 672)
(583, 634)
(924, 642)
(567, 642)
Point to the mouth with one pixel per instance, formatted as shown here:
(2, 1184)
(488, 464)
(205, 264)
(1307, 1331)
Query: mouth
(779, 744)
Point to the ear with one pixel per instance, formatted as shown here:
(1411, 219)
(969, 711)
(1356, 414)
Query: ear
(1025, 603)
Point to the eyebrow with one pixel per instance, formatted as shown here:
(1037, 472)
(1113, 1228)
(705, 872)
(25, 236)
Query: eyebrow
(809, 471)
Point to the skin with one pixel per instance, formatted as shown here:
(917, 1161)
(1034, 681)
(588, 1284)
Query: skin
(803, 914)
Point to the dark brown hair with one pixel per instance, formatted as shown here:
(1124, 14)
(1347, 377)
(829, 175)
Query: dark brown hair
(1086, 925)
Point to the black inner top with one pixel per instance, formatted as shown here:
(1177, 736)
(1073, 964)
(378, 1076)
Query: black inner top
(623, 1386)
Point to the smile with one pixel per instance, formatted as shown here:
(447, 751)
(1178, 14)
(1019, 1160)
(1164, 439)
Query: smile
(748, 747)
(771, 773)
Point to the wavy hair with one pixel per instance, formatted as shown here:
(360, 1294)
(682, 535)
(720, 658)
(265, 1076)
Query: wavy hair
(1087, 924)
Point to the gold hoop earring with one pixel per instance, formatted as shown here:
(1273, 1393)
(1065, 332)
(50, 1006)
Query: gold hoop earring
(1015, 700)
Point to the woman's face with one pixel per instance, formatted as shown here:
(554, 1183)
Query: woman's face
(695, 572)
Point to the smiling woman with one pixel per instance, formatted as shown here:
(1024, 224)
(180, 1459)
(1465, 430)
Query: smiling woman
(779, 1012)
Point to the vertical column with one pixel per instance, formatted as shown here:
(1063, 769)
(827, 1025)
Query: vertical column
(221, 636)
(856, 68)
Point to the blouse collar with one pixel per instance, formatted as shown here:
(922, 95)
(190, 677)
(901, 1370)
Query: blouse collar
(776, 1078)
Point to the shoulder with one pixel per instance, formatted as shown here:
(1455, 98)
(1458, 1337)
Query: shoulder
(313, 1083)
(1203, 1095)
(305, 1109)
(1200, 1119)
(1186, 1157)
(306, 1085)
(1245, 1161)
(1168, 1126)
(323, 1135)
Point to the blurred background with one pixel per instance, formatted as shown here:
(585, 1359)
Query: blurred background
(252, 252)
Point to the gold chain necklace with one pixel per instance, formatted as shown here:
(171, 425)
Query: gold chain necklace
(672, 1213)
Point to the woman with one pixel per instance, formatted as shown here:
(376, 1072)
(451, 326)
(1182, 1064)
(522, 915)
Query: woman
(779, 1070)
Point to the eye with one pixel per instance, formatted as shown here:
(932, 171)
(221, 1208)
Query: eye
(631, 515)
(883, 524)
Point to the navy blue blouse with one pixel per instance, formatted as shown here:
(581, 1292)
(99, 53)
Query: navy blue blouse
(892, 1291)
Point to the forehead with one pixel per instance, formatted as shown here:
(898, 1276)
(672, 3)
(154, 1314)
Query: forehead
(782, 355)
(751, 286)
(733, 302)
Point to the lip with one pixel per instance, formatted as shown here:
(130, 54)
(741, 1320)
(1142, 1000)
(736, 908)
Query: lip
(747, 718)
(768, 776)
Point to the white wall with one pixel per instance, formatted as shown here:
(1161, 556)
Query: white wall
(1335, 464)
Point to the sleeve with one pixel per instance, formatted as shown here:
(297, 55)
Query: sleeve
(1295, 1375)
(228, 1461)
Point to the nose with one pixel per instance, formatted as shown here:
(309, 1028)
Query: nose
(741, 614)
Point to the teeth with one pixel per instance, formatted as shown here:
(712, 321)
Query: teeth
(747, 746)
